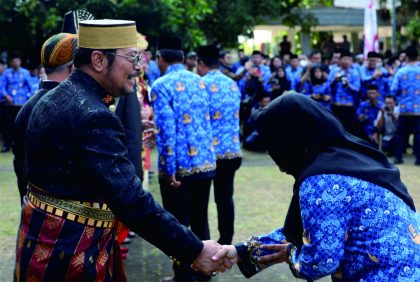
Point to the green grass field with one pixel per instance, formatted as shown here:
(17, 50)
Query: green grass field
(262, 195)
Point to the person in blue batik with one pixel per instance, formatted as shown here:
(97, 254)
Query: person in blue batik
(406, 88)
(374, 73)
(184, 140)
(15, 90)
(344, 84)
(366, 114)
(350, 215)
(225, 99)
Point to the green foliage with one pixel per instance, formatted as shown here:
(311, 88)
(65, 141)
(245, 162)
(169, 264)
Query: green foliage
(413, 27)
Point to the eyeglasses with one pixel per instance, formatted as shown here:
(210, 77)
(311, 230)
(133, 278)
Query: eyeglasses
(134, 60)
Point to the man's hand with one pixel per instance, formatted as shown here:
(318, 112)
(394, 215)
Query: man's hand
(173, 182)
(226, 255)
(279, 257)
(204, 262)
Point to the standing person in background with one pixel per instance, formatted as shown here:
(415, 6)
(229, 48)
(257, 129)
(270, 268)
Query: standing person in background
(345, 45)
(374, 73)
(344, 83)
(293, 72)
(15, 90)
(237, 65)
(406, 87)
(224, 99)
(285, 46)
(57, 55)
(187, 162)
(191, 62)
(386, 123)
(152, 70)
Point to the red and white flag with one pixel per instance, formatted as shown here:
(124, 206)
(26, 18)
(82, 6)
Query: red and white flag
(371, 28)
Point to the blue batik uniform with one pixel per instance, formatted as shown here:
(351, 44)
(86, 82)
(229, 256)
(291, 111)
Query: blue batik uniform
(353, 230)
(382, 81)
(294, 76)
(224, 98)
(33, 81)
(152, 72)
(342, 94)
(322, 89)
(184, 138)
(406, 87)
(16, 84)
(371, 112)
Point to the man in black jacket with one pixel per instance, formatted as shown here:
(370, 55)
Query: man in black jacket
(80, 177)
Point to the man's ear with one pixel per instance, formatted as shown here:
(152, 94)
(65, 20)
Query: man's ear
(99, 61)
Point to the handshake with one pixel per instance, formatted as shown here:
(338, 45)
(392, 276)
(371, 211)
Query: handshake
(215, 258)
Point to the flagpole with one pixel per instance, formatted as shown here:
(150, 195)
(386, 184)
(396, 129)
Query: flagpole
(394, 27)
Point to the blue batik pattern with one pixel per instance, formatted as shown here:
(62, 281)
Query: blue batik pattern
(184, 135)
(225, 99)
(371, 112)
(353, 230)
(16, 84)
(294, 76)
(342, 94)
(406, 87)
(366, 77)
(152, 72)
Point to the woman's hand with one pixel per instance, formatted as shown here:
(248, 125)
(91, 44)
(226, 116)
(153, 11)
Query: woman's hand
(281, 256)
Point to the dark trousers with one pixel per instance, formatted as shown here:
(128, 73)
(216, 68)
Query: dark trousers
(188, 203)
(406, 126)
(9, 113)
(223, 195)
(346, 116)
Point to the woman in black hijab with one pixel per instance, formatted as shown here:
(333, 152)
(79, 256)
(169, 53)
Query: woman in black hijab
(350, 215)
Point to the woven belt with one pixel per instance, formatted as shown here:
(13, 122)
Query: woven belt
(87, 213)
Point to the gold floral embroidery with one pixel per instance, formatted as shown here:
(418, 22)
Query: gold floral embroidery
(237, 114)
(217, 115)
(187, 119)
(107, 99)
(153, 96)
(216, 141)
(214, 88)
(170, 151)
(306, 237)
(234, 87)
(179, 86)
(201, 84)
(192, 151)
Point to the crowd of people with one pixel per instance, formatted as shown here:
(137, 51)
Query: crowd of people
(78, 124)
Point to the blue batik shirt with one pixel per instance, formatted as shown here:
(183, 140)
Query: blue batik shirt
(182, 116)
(294, 76)
(406, 87)
(371, 111)
(341, 94)
(354, 230)
(33, 81)
(225, 99)
(366, 77)
(152, 72)
(16, 84)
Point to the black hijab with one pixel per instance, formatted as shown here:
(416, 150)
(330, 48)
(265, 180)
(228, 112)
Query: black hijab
(305, 139)
(314, 80)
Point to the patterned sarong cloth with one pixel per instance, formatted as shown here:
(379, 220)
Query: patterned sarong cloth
(54, 248)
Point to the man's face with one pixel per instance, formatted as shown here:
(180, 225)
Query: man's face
(257, 59)
(346, 61)
(335, 60)
(372, 95)
(241, 54)
(15, 63)
(265, 101)
(390, 102)
(227, 59)
(191, 62)
(316, 58)
(122, 73)
(147, 56)
(372, 62)
(294, 63)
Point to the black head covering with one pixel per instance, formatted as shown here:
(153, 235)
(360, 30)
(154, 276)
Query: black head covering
(314, 80)
(305, 139)
(72, 19)
(170, 41)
